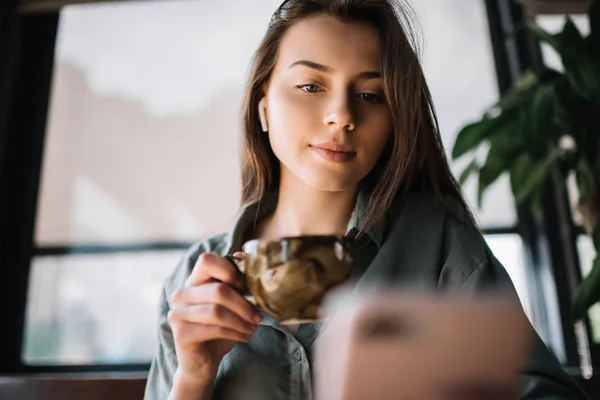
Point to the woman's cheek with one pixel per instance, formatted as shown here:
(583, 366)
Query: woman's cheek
(295, 111)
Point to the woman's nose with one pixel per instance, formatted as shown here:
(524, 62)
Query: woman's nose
(339, 116)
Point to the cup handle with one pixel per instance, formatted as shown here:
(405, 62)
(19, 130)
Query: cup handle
(238, 263)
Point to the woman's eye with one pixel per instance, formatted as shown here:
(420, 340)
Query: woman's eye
(370, 98)
(309, 88)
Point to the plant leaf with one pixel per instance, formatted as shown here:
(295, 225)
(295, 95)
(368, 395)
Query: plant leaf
(538, 175)
(584, 74)
(519, 174)
(520, 170)
(469, 169)
(572, 111)
(570, 38)
(540, 132)
(521, 91)
(571, 41)
(544, 36)
(503, 147)
(472, 135)
(588, 292)
(582, 64)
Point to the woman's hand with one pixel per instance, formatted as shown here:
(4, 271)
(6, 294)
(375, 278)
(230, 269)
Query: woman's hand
(208, 317)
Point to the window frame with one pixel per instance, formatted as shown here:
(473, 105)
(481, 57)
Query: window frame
(28, 51)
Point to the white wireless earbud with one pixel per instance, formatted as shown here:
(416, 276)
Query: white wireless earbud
(262, 113)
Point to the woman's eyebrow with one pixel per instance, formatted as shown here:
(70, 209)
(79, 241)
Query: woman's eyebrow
(328, 70)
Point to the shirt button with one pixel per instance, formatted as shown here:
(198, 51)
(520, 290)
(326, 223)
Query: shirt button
(297, 355)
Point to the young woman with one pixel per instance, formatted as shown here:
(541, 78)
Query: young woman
(340, 137)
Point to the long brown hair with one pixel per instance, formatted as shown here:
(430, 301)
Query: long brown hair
(414, 157)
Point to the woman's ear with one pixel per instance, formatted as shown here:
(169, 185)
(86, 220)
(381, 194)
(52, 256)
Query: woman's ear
(262, 114)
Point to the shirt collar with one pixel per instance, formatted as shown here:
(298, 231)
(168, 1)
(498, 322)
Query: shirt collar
(250, 215)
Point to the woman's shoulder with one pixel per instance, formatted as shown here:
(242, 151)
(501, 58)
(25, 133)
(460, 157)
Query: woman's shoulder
(211, 244)
(429, 244)
(427, 209)
(445, 235)
(442, 224)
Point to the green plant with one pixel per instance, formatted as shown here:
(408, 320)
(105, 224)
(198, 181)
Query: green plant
(548, 123)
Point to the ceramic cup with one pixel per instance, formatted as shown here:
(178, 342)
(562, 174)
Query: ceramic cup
(289, 277)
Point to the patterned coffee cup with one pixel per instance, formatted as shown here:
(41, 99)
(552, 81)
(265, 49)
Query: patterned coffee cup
(289, 277)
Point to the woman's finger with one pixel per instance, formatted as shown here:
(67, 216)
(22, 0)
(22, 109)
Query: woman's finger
(210, 267)
(219, 294)
(213, 314)
(188, 333)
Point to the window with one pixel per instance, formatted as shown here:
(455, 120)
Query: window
(142, 94)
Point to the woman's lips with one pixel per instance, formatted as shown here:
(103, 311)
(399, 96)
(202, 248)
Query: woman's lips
(334, 153)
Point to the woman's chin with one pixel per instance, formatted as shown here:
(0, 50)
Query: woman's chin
(319, 178)
(331, 184)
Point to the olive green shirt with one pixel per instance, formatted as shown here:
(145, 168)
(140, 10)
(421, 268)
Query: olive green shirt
(422, 242)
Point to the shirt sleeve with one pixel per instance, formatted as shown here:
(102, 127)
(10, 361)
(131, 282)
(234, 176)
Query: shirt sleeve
(164, 364)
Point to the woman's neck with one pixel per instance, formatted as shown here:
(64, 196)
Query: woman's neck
(302, 210)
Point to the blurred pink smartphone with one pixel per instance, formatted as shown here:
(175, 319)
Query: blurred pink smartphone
(409, 347)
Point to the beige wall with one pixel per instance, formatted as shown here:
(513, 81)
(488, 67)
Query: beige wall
(113, 173)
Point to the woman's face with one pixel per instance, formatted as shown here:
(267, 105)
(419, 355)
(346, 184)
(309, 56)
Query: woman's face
(327, 117)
